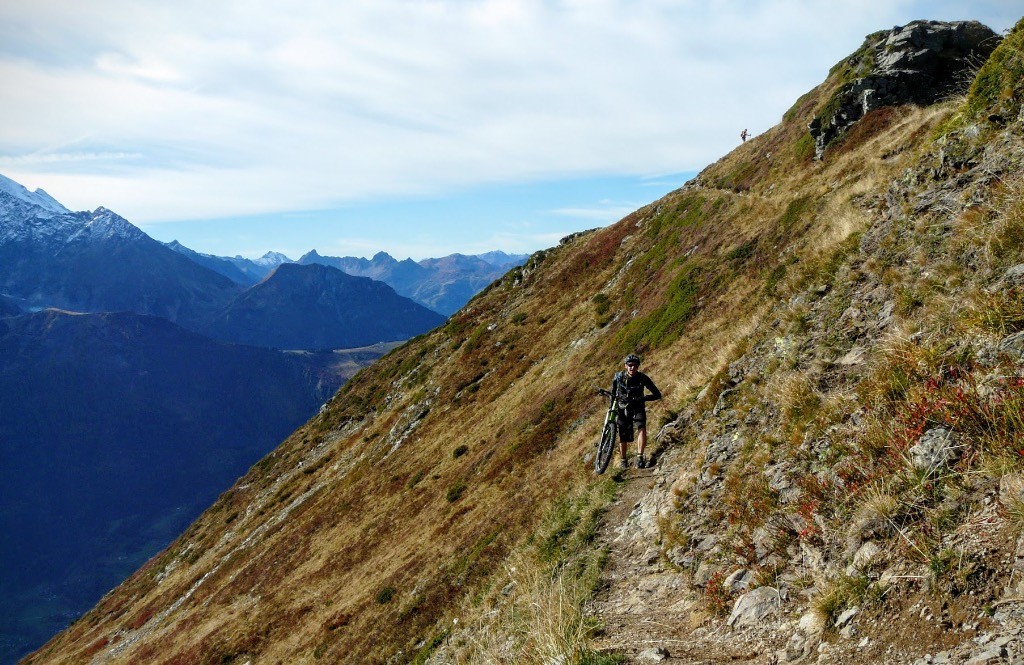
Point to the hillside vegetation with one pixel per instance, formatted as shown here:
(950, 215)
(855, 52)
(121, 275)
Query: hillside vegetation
(810, 322)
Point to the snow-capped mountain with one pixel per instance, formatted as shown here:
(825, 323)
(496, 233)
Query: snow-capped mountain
(97, 261)
(271, 260)
(38, 198)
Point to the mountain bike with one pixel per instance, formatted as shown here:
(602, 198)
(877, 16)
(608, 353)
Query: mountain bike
(606, 444)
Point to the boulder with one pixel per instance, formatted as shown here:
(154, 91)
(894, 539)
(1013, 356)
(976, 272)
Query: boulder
(846, 617)
(1014, 276)
(739, 580)
(920, 63)
(935, 449)
(753, 606)
(653, 655)
(1013, 345)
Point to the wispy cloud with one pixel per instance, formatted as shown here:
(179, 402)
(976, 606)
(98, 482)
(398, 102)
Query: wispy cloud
(66, 157)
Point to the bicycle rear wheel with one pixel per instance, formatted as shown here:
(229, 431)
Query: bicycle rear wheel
(605, 447)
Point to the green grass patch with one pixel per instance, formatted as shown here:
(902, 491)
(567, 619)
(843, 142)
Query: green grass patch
(997, 86)
(416, 478)
(476, 338)
(385, 595)
(423, 655)
(794, 212)
(803, 150)
(601, 304)
(455, 492)
(668, 322)
(743, 252)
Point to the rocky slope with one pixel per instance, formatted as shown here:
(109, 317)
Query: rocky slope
(838, 476)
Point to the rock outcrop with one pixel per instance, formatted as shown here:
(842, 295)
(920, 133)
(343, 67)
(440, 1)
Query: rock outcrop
(920, 63)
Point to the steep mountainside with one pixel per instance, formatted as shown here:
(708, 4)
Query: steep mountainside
(8, 307)
(116, 431)
(838, 341)
(318, 307)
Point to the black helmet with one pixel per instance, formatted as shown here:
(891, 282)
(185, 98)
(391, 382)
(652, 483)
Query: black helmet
(632, 358)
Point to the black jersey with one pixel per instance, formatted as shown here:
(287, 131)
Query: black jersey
(630, 390)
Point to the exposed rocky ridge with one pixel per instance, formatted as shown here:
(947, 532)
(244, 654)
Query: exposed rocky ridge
(795, 312)
(919, 63)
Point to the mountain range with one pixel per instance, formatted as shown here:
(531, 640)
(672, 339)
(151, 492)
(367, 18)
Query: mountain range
(441, 284)
(837, 330)
(97, 262)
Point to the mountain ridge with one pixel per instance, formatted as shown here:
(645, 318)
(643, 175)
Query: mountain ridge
(100, 262)
(442, 284)
(319, 307)
(38, 198)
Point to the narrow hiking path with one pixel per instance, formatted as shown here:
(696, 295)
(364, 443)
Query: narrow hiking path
(647, 607)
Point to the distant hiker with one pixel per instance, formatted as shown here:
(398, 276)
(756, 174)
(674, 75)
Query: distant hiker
(629, 387)
(744, 135)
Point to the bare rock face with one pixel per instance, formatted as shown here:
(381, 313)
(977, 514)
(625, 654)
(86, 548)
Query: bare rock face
(753, 606)
(920, 63)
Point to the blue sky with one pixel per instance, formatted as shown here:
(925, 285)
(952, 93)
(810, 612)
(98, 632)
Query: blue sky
(417, 127)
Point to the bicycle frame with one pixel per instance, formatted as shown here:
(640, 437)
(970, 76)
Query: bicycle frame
(606, 443)
(613, 407)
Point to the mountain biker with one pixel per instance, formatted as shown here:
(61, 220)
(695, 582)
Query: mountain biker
(629, 387)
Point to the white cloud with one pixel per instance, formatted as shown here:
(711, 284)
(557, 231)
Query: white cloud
(226, 109)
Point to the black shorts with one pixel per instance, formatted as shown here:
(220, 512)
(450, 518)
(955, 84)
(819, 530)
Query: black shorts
(628, 419)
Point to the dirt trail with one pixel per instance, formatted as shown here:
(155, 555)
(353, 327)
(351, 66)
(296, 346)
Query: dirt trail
(647, 607)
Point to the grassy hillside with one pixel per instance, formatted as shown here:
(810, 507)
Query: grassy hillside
(448, 485)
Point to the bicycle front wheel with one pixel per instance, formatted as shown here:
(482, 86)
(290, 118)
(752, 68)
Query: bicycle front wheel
(605, 447)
